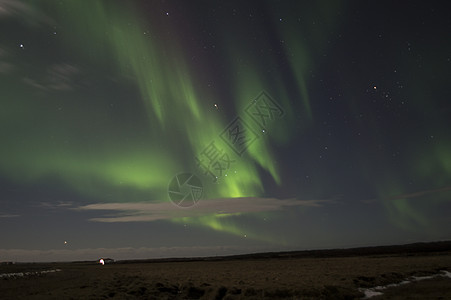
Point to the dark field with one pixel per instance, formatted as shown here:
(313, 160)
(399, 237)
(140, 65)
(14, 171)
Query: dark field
(329, 274)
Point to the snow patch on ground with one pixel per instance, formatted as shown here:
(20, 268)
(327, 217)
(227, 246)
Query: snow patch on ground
(377, 290)
(24, 274)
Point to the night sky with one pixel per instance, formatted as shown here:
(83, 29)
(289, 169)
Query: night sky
(146, 129)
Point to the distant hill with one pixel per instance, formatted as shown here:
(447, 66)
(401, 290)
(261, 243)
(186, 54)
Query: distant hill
(407, 249)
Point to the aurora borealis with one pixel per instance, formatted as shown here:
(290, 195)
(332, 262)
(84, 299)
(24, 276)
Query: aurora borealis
(345, 107)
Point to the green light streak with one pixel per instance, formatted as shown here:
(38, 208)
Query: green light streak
(436, 166)
(226, 223)
(180, 123)
(300, 64)
(93, 175)
(405, 215)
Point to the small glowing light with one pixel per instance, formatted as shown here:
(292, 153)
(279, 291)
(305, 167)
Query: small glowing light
(101, 261)
(375, 87)
(65, 242)
(216, 106)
